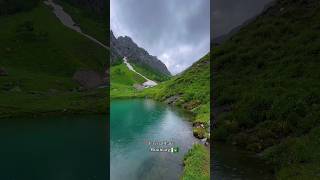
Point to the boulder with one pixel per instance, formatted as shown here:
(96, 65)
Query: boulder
(3, 72)
(88, 79)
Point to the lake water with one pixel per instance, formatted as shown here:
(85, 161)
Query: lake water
(136, 123)
(230, 163)
(55, 148)
(74, 147)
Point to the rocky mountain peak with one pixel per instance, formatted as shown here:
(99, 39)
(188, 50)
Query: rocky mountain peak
(124, 46)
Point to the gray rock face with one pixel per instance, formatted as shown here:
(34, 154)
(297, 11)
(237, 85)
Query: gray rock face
(125, 47)
(115, 52)
(88, 79)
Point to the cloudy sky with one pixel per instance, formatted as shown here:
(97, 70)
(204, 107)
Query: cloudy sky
(228, 14)
(176, 31)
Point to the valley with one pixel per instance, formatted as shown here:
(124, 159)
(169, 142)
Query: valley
(190, 91)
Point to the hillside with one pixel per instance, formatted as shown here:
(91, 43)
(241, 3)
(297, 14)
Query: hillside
(39, 57)
(15, 6)
(91, 16)
(267, 91)
(126, 83)
(191, 91)
(123, 81)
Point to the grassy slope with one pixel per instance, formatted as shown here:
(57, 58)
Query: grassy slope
(150, 74)
(267, 81)
(41, 55)
(197, 164)
(193, 88)
(122, 81)
(90, 23)
(15, 6)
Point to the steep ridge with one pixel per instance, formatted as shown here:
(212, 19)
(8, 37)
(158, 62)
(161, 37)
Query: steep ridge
(267, 91)
(125, 47)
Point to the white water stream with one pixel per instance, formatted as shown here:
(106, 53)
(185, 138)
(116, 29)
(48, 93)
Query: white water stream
(67, 20)
(148, 83)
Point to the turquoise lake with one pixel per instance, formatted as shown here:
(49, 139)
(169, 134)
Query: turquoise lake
(135, 123)
(54, 148)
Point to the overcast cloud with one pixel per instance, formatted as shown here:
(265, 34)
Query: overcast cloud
(176, 31)
(228, 14)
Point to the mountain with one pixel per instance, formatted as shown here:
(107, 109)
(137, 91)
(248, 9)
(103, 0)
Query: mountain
(115, 56)
(126, 47)
(220, 39)
(267, 91)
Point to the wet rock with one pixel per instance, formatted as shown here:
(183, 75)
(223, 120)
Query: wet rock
(172, 99)
(199, 133)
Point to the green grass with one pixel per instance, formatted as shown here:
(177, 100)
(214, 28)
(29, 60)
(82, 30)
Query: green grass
(63, 51)
(267, 77)
(89, 22)
(33, 104)
(122, 75)
(297, 158)
(122, 81)
(8, 7)
(41, 56)
(150, 74)
(197, 164)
